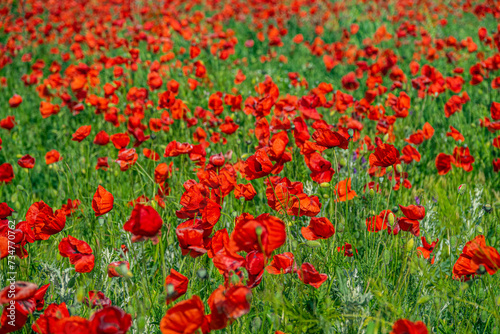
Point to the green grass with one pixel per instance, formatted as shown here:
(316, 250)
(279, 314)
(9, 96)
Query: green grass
(385, 281)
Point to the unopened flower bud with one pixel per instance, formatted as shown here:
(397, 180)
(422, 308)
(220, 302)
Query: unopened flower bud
(202, 273)
(461, 188)
(372, 192)
(313, 243)
(399, 168)
(325, 185)
(409, 245)
(258, 231)
(391, 219)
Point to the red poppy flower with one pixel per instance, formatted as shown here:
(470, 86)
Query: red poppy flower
(176, 284)
(282, 264)
(26, 161)
(5, 211)
(264, 233)
(97, 299)
(379, 222)
(52, 156)
(258, 165)
(319, 228)
(127, 157)
(463, 159)
(174, 149)
(348, 250)
(385, 155)
(102, 163)
(455, 134)
(45, 324)
(6, 173)
(496, 165)
(474, 254)
(403, 326)
(22, 302)
(81, 133)
(443, 163)
(79, 253)
(15, 101)
(217, 160)
(255, 268)
(328, 138)
(186, 317)
(495, 110)
(150, 154)
(409, 154)
(426, 249)
(349, 81)
(8, 123)
(112, 268)
(321, 168)
(309, 275)
(230, 303)
(246, 191)
(102, 202)
(110, 319)
(43, 221)
(343, 191)
(120, 140)
(144, 223)
(101, 138)
(163, 172)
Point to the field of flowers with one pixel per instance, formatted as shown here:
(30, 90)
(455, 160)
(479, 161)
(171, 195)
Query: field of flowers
(259, 166)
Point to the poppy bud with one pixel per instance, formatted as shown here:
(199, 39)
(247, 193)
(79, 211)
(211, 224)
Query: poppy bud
(256, 324)
(386, 137)
(409, 245)
(326, 196)
(350, 132)
(325, 185)
(217, 160)
(399, 168)
(372, 192)
(313, 243)
(389, 169)
(391, 219)
(461, 189)
(343, 162)
(202, 273)
(80, 294)
(479, 229)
